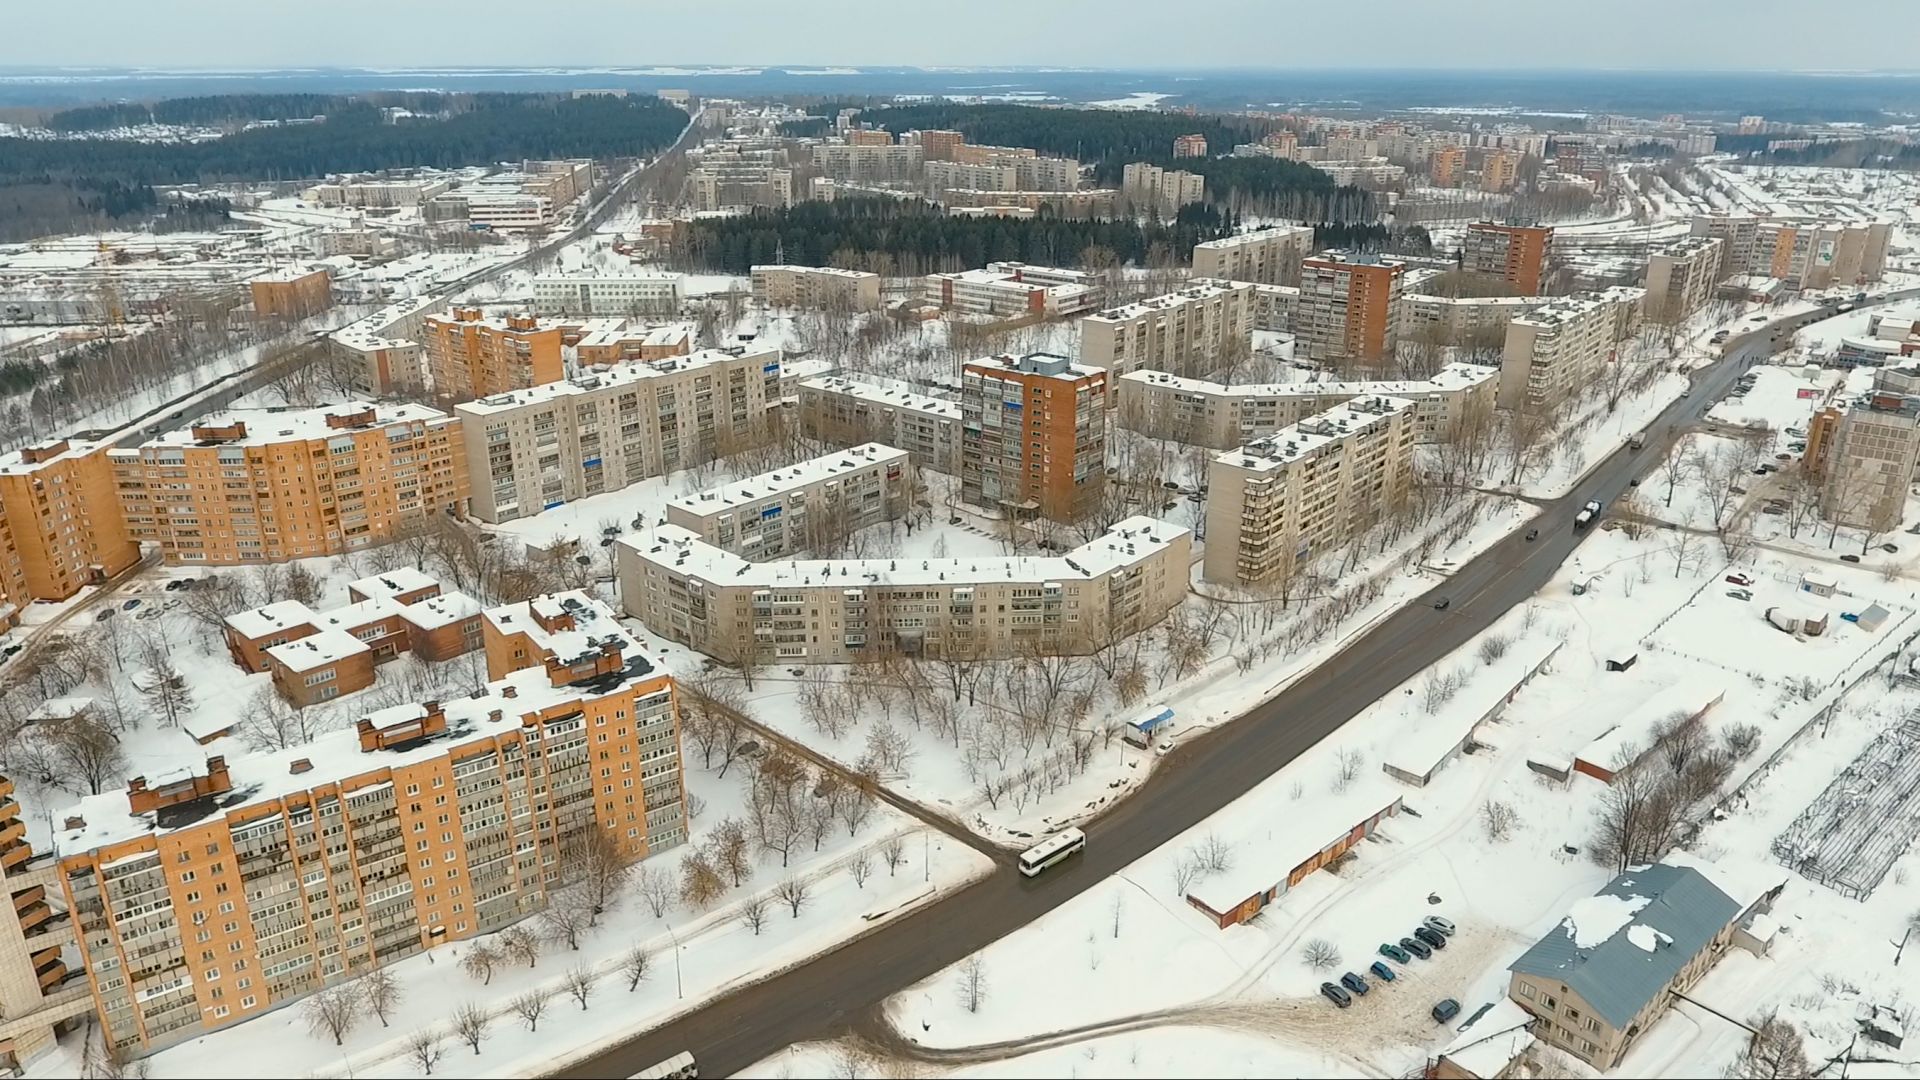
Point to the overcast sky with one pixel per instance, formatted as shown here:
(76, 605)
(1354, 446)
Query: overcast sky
(1536, 34)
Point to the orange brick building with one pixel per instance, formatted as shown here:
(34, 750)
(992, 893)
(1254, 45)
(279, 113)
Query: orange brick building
(1448, 164)
(62, 528)
(261, 485)
(471, 356)
(292, 293)
(1350, 307)
(620, 344)
(1517, 254)
(1033, 434)
(1190, 146)
(204, 898)
(940, 145)
(1498, 170)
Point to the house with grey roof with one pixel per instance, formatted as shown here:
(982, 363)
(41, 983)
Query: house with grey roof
(1600, 978)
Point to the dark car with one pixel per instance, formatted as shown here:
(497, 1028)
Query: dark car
(1417, 947)
(1354, 983)
(1442, 604)
(1336, 995)
(1435, 939)
(1533, 534)
(1849, 558)
(1395, 952)
(1633, 482)
(130, 605)
(1446, 1010)
(1891, 549)
(173, 585)
(1382, 971)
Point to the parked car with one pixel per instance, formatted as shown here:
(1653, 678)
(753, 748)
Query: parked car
(1533, 534)
(1446, 1010)
(131, 604)
(1849, 558)
(1335, 994)
(1382, 971)
(1739, 579)
(1736, 489)
(11, 649)
(1417, 947)
(1439, 925)
(1776, 510)
(1740, 594)
(105, 614)
(1395, 952)
(1442, 604)
(1891, 549)
(173, 585)
(1434, 939)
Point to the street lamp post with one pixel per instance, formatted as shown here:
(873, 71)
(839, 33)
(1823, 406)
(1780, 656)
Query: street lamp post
(679, 988)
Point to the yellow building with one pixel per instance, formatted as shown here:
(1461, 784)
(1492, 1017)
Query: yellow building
(62, 527)
(264, 486)
(292, 293)
(471, 356)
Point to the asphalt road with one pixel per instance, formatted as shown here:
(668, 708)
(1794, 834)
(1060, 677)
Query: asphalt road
(840, 991)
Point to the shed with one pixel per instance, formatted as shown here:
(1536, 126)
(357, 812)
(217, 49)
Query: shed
(1871, 619)
(1621, 661)
(1817, 584)
(1141, 729)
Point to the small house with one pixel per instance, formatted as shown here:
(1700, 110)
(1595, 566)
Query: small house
(1140, 731)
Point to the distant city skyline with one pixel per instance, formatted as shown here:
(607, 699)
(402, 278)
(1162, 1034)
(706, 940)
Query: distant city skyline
(1699, 35)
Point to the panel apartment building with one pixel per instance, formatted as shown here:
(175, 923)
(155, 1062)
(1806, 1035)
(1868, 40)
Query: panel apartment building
(1033, 434)
(607, 294)
(1306, 489)
(1012, 289)
(1166, 190)
(1556, 350)
(535, 449)
(896, 165)
(816, 287)
(1268, 256)
(1813, 254)
(1876, 451)
(1189, 332)
(261, 485)
(1202, 413)
(61, 525)
(845, 410)
(1349, 308)
(1516, 254)
(1453, 320)
(206, 897)
(470, 355)
(813, 506)
(721, 186)
(836, 611)
(1682, 277)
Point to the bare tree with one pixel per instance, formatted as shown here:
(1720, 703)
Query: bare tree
(1186, 870)
(1774, 1052)
(1741, 739)
(81, 754)
(1215, 854)
(520, 943)
(167, 691)
(700, 881)
(381, 991)
(1320, 954)
(730, 851)
(655, 886)
(569, 912)
(531, 1006)
(580, 985)
(973, 983)
(793, 893)
(479, 961)
(1346, 768)
(1497, 819)
(861, 868)
(333, 1012)
(424, 1050)
(893, 853)
(470, 1024)
(635, 965)
(753, 912)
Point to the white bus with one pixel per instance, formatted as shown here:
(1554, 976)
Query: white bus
(678, 1067)
(1053, 849)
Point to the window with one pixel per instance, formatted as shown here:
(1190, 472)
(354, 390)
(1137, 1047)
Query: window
(1592, 1024)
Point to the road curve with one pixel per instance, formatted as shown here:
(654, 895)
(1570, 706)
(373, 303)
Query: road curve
(825, 997)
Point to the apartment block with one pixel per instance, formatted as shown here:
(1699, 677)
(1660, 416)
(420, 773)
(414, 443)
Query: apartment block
(1185, 146)
(604, 342)
(1188, 332)
(938, 145)
(816, 287)
(1682, 276)
(1459, 319)
(985, 176)
(1802, 254)
(1876, 450)
(607, 294)
(470, 355)
(1221, 416)
(1554, 351)
(1014, 289)
(1516, 254)
(207, 897)
(813, 506)
(14, 596)
(1167, 190)
(724, 186)
(1084, 203)
(1498, 171)
(262, 485)
(835, 611)
(377, 194)
(1033, 434)
(869, 137)
(883, 165)
(1448, 165)
(383, 350)
(292, 292)
(1349, 307)
(1268, 256)
(535, 449)
(61, 525)
(41, 995)
(845, 410)
(1284, 499)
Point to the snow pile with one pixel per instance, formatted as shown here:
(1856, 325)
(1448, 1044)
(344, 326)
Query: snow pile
(1592, 921)
(1646, 937)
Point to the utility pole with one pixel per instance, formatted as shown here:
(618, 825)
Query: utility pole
(679, 988)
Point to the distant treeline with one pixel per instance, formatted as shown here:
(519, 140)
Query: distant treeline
(1273, 187)
(916, 237)
(1398, 239)
(233, 109)
(1109, 138)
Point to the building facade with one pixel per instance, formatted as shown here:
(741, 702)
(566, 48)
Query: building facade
(1519, 255)
(1874, 456)
(1498, 170)
(612, 294)
(1461, 319)
(893, 165)
(1033, 435)
(816, 287)
(1185, 146)
(61, 524)
(1554, 351)
(1190, 332)
(258, 485)
(1349, 308)
(812, 507)
(470, 355)
(746, 184)
(842, 610)
(1221, 416)
(1268, 256)
(535, 449)
(204, 898)
(846, 410)
(292, 293)
(1801, 254)
(1166, 190)
(1014, 290)
(1681, 278)
(1448, 166)
(1306, 489)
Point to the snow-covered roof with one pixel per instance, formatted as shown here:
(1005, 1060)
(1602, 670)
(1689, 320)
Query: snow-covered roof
(1635, 731)
(288, 273)
(266, 427)
(1448, 379)
(884, 394)
(279, 615)
(825, 271)
(317, 650)
(683, 551)
(360, 614)
(1488, 1043)
(1746, 880)
(1291, 232)
(779, 481)
(1270, 833)
(1200, 289)
(632, 373)
(61, 708)
(593, 624)
(1297, 441)
(437, 611)
(394, 583)
(1417, 749)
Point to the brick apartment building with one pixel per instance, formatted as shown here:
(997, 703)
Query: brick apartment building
(844, 410)
(60, 524)
(1519, 255)
(471, 356)
(1350, 308)
(1033, 435)
(293, 292)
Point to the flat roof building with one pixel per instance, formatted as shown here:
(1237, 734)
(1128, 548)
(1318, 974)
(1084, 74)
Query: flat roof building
(61, 523)
(1190, 332)
(1014, 289)
(846, 410)
(1223, 416)
(470, 355)
(816, 287)
(1269, 256)
(1556, 350)
(814, 506)
(1349, 308)
(1819, 253)
(607, 294)
(1033, 435)
(1682, 277)
(1519, 255)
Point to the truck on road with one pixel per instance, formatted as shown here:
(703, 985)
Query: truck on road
(1587, 514)
(1639, 440)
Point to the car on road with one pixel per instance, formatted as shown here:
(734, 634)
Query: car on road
(1739, 579)
(1417, 947)
(1533, 534)
(131, 604)
(1446, 1010)
(1740, 594)
(1633, 481)
(1382, 971)
(1442, 604)
(1335, 994)
(1395, 952)
(1434, 939)
(1354, 983)
(1849, 558)
(1439, 925)
(11, 649)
